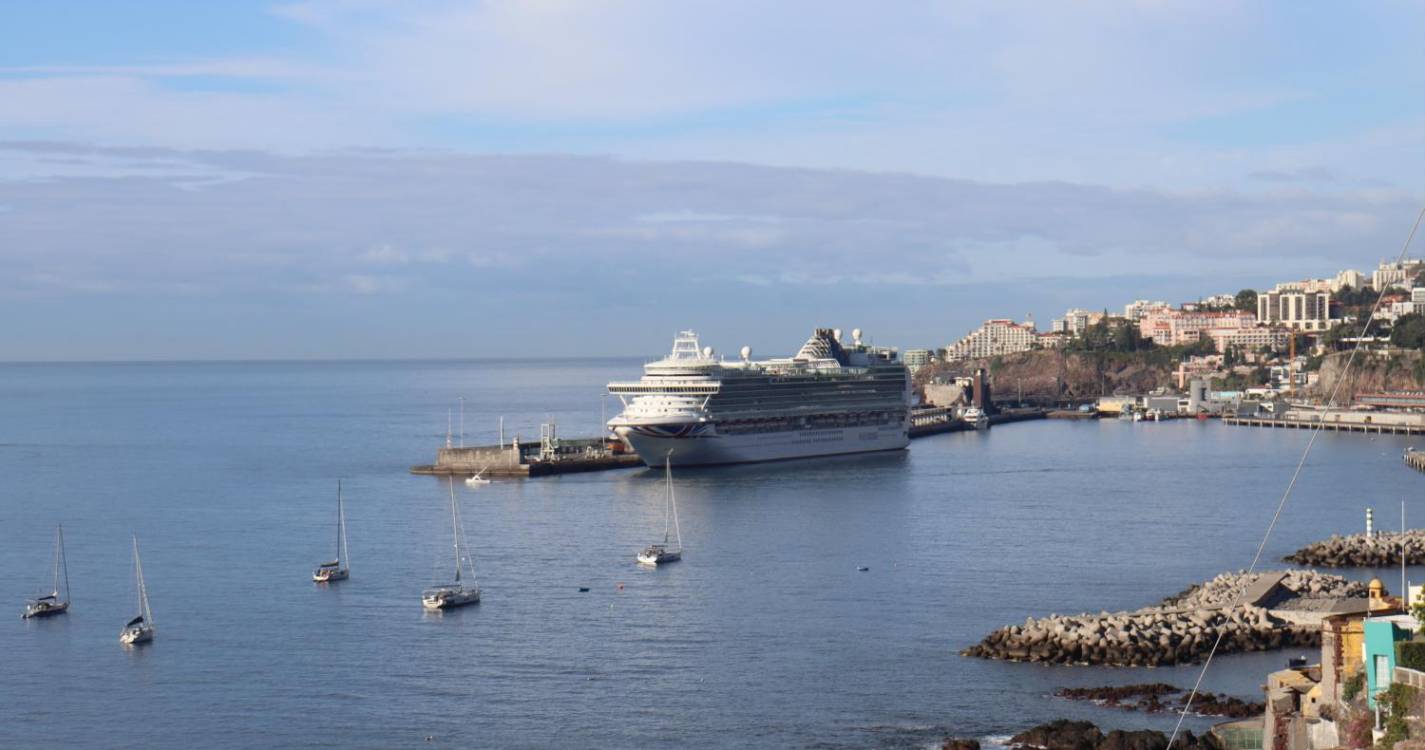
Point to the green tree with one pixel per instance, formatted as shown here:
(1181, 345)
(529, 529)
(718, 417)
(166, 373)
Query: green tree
(1409, 332)
(1247, 300)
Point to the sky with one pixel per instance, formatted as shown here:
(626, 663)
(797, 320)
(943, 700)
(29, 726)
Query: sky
(372, 179)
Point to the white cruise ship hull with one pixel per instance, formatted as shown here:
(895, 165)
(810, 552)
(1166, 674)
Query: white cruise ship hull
(707, 447)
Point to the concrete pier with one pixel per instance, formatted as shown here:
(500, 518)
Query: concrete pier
(1373, 423)
(1415, 459)
(933, 420)
(531, 459)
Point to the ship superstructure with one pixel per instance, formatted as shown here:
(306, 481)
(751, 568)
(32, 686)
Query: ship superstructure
(827, 399)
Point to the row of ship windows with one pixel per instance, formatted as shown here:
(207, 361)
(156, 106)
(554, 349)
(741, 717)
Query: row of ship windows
(818, 422)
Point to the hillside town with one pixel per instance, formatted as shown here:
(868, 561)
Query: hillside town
(1267, 347)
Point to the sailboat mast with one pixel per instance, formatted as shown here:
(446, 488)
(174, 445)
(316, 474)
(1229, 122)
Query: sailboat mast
(455, 529)
(341, 530)
(668, 497)
(63, 563)
(673, 505)
(143, 590)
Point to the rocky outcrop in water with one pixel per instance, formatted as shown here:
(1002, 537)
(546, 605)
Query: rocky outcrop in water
(1158, 697)
(1379, 550)
(1180, 630)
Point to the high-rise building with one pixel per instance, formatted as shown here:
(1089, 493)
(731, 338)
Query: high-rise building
(994, 338)
(1290, 306)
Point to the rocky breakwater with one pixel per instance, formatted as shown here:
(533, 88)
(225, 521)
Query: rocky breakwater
(1379, 550)
(1179, 630)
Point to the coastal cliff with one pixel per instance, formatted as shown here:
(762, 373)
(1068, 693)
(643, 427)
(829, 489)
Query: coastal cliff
(1053, 375)
(1397, 370)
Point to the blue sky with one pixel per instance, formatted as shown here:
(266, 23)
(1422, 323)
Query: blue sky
(362, 177)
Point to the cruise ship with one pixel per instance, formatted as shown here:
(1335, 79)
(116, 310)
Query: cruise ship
(694, 407)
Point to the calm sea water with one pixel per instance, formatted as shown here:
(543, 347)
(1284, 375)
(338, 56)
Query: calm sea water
(765, 635)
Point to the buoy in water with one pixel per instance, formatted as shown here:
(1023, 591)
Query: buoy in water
(584, 589)
(620, 586)
(863, 568)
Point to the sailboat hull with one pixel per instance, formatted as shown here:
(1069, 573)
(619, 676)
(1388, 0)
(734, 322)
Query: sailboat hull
(451, 599)
(136, 636)
(44, 609)
(328, 576)
(647, 558)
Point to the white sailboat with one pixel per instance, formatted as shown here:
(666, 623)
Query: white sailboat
(52, 603)
(656, 554)
(141, 628)
(340, 568)
(463, 590)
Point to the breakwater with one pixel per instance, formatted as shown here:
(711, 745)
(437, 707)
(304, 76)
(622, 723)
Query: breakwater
(1378, 550)
(1255, 612)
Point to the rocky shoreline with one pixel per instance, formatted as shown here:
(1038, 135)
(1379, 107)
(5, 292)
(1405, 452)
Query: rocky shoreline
(1180, 630)
(1379, 550)
(1082, 735)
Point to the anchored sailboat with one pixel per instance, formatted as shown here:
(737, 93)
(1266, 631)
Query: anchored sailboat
(340, 568)
(141, 628)
(461, 592)
(655, 554)
(52, 603)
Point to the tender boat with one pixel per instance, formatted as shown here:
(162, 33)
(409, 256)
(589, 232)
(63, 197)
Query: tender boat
(461, 592)
(340, 568)
(657, 554)
(141, 628)
(976, 417)
(477, 479)
(52, 603)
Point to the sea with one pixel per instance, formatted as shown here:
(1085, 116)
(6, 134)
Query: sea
(767, 634)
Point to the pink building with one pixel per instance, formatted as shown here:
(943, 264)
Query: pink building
(1180, 328)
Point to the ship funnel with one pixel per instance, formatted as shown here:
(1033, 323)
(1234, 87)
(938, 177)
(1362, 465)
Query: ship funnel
(746, 353)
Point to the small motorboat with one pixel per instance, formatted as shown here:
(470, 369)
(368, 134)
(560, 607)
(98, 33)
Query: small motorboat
(476, 479)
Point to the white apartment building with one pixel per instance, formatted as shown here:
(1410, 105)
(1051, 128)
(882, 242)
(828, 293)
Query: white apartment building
(1138, 308)
(1348, 278)
(1249, 339)
(1396, 274)
(994, 338)
(1075, 322)
(1221, 300)
(915, 359)
(1290, 306)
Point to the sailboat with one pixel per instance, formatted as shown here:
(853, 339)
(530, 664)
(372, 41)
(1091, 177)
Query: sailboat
(52, 603)
(340, 568)
(655, 554)
(141, 628)
(459, 593)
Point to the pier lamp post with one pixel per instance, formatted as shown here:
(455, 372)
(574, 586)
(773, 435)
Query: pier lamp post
(462, 421)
